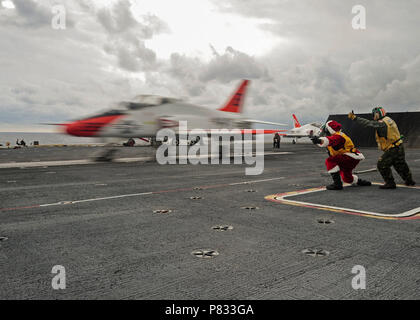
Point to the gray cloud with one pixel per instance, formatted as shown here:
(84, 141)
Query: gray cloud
(31, 14)
(131, 55)
(222, 72)
(118, 19)
(323, 66)
(187, 70)
(54, 75)
(233, 65)
(126, 36)
(403, 92)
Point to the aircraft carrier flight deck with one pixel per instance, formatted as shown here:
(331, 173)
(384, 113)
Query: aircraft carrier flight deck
(134, 229)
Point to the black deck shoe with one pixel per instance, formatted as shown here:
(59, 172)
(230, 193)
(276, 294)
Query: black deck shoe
(410, 183)
(334, 187)
(364, 183)
(389, 185)
(338, 184)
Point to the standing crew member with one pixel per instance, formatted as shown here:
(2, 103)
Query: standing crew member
(343, 156)
(390, 141)
(276, 141)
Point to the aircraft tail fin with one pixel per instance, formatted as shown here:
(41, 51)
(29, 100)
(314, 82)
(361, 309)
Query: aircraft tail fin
(235, 102)
(296, 122)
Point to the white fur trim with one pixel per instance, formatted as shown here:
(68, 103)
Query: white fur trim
(325, 142)
(330, 130)
(357, 156)
(355, 179)
(334, 170)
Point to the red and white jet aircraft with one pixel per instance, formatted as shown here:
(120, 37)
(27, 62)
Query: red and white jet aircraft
(145, 115)
(300, 131)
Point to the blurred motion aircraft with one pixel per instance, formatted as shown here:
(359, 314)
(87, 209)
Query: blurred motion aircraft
(145, 115)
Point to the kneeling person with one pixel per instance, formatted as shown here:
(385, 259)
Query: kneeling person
(343, 156)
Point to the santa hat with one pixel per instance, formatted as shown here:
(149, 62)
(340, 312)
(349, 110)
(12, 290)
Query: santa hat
(333, 126)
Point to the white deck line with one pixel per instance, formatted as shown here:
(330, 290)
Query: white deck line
(405, 214)
(68, 202)
(35, 164)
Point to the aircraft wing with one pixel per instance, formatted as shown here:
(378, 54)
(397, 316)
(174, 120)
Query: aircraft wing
(232, 131)
(295, 136)
(264, 122)
(262, 131)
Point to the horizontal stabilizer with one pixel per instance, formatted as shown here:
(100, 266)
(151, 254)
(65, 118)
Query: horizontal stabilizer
(265, 122)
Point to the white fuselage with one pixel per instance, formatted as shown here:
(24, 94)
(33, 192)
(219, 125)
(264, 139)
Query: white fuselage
(147, 121)
(303, 131)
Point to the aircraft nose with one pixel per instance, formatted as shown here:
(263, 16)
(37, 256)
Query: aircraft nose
(90, 127)
(75, 129)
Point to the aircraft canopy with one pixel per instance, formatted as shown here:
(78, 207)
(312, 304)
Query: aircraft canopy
(153, 100)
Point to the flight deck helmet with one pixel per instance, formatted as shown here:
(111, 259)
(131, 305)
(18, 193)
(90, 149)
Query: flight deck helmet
(379, 111)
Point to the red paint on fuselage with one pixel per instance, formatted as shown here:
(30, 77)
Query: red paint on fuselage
(89, 127)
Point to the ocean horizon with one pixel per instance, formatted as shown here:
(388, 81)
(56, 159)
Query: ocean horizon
(43, 138)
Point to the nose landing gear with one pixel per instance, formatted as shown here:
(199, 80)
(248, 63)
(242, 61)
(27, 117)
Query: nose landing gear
(107, 156)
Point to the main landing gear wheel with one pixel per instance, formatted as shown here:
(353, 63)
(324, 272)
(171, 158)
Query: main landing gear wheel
(107, 156)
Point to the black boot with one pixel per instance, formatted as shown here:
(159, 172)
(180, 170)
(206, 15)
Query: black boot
(337, 185)
(389, 185)
(410, 182)
(363, 183)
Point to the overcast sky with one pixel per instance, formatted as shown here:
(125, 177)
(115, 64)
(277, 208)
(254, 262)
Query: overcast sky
(303, 56)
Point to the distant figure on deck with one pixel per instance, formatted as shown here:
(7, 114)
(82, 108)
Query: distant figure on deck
(276, 141)
(21, 143)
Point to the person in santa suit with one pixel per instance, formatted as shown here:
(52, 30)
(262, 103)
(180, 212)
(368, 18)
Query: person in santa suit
(343, 156)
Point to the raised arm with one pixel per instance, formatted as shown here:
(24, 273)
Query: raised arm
(369, 123)
(365, 122)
